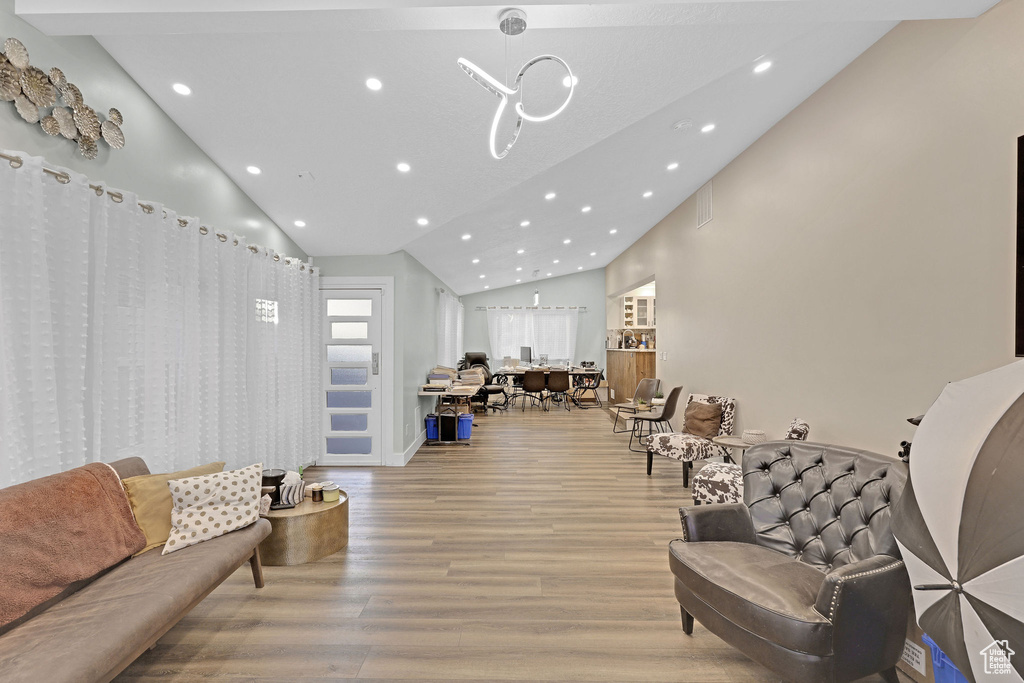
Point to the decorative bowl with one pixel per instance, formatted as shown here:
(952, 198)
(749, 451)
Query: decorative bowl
(754, 436)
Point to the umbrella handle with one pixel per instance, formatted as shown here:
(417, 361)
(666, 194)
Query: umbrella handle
(951, 586)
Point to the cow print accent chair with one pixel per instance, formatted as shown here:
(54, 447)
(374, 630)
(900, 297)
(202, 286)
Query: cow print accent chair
(687, 447)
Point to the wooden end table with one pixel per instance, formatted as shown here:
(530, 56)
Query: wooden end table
(306, 532)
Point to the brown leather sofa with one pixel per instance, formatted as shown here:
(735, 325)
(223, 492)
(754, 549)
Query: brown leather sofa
(804, 576)
(96, 632)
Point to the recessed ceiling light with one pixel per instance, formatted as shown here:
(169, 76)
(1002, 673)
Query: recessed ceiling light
(647, 194)
(300, 224)
(422, 221)
(566, 82)
(518, 280)
(673, 166)
(520, 251)
(566, 241)
(708, 128)
(476, 260)
(593, 253)
(466, 236)
(487, 286)
(549, 195)
(182, 89)
(549, 274)
(403, 167)
(255, 170)
(579, 267)
(613, 231)
(373, 84)
(762, 67)
(524, 224)
(555, 261)
(482, 276)
(253, 223)
(519, 268)
(585, 209)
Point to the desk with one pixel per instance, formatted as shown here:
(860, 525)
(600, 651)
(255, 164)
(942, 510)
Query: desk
(501, 376)
(460, 394)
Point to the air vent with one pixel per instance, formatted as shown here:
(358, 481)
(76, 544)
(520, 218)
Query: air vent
(704, 205)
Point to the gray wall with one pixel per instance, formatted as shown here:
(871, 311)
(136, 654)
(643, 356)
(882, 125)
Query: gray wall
(158, 162)
(415, 330)
(862, 251)
(580, 289)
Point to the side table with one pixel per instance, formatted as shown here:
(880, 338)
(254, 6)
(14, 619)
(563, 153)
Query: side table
(733, 442)
(306, 532)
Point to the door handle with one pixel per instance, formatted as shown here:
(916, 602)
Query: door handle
(376, 363)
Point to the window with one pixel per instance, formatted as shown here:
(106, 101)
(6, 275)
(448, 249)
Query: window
(550, 332)
(450, 314)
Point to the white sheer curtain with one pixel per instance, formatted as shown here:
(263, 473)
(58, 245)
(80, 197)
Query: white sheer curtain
(450, 317)
(130, 333)
(546, 331)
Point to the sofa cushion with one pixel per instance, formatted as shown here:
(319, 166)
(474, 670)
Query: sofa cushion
(151, 501)
(211, 505)
(98, 627)
(765, 592)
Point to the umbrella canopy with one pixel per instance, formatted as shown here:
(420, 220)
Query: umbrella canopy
(960, 523)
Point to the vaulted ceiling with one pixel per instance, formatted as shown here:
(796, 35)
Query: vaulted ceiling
(281, 85)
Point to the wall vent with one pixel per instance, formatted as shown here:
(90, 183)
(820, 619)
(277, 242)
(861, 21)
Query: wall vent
(704, 204)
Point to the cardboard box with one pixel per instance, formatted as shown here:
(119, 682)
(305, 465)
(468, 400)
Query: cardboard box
(916, 663)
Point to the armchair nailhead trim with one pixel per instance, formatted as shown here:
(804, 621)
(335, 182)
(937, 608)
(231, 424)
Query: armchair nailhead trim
(840, 582)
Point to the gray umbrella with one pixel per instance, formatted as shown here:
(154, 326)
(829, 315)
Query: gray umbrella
(960, 524)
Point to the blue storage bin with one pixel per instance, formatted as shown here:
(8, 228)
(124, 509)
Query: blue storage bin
(465, 425)
(431, 422)
(944, 669)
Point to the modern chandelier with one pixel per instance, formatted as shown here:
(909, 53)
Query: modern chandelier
(512, 22)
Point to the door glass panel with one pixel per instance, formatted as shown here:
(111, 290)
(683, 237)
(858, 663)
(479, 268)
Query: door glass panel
(349, 445)
(349, 330)
(348, 422)
(348, 375)
(354, 353)
(348, 399)
(360, 307)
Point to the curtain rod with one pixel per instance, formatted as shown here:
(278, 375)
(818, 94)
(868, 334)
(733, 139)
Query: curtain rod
(581, 309)
(64, 178)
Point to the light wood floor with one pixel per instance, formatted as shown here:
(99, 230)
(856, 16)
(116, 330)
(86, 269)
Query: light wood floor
(539, 553)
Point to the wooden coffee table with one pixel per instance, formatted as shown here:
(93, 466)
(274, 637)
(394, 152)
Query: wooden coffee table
(306, 532)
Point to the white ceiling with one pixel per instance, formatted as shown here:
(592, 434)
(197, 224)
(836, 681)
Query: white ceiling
(281, 85)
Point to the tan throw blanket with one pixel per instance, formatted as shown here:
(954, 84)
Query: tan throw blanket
(58, 531)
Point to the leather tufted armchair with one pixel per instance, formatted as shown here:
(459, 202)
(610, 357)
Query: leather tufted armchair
(804, 576)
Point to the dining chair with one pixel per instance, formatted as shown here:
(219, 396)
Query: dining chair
(534, 383)
(646, 390)
(653, 420)
(585, 383)
(558, 385)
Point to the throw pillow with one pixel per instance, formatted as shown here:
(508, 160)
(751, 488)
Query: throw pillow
(211, 505)
(702, 419)
(798, 430)
(151, 501)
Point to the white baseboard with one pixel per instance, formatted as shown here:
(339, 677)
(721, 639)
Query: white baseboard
(402, 459)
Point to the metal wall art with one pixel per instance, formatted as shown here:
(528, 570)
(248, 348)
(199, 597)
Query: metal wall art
(33, 91)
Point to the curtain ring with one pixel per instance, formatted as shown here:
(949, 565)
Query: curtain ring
(222, 237)
(203, 230)
(182, 222)
(165, 213)
(302, 267)
(97, 189)
(147, 208)
(116, 196)
(277, 257)
(236, 241)
(253, 249)
(16, 162)
(63, 178)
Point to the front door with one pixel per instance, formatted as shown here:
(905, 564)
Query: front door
(351, 397)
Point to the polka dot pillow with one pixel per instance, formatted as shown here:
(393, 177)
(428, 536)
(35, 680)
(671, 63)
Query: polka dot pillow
(211, 505)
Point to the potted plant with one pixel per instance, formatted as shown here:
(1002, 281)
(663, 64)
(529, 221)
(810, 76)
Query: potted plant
(641, 405)
(659, 399)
